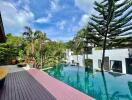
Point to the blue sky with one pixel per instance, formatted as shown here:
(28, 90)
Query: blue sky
(60, 19)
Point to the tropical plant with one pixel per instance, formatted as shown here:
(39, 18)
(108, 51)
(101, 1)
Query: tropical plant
(113, 20)
(53, 53)
(69, 45)
(41, 37)
(78, 45)
(30, 37)
(10, 49)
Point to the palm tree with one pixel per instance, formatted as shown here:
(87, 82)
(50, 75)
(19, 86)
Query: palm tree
(78, 44)
(41, 40)
(89, 40)
(30, 37)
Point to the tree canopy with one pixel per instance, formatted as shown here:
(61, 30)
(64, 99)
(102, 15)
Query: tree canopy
(113, 19)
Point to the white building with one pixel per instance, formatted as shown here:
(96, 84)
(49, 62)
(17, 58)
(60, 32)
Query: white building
(118, 60)
(74, 59)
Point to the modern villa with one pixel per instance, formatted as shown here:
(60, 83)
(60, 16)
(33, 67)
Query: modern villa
(117, 60)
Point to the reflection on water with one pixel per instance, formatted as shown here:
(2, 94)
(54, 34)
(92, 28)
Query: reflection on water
(101, 86)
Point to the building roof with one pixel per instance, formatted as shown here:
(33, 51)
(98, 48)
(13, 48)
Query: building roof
(2, 32)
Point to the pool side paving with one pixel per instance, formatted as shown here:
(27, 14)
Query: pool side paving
(58, 89)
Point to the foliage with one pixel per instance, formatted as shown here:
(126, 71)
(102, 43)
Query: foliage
(88, 63)
(69, 45)
(113, 20)
(78, 43)
(29, 36)
(39, 48)
(10, 49)
(46, 52)
(54, 52)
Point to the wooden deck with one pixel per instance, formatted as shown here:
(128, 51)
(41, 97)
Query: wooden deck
(36, 85)
(22, 86)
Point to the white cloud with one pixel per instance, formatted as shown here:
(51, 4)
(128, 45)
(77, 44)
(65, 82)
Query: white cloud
(23, 4)
(54, 5)
(61, 24)
(84, 20)
(44, 19)
(56, 35)
(86, 5)
(15, 19)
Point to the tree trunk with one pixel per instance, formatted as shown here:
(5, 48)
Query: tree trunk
(41, 60)
(33, 55)
(41, 53)
(77, 61)
(103, 56)
(105, 85)
(84, 59)
(32, 48)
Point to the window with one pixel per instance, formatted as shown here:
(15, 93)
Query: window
(99, 63)
(116, 66)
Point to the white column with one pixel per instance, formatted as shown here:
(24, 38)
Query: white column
(124, 66)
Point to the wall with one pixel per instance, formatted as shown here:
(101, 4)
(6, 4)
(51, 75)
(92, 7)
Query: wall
(113, 54)
(77, 58)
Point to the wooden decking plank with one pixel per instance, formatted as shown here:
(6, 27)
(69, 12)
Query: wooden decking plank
(41, 91)
(17, 95)
(8, 89)
(22, 86)
(3, 96)
(44, 95)
(12, 87)
(29, 92)
(39, 88)
(19, 87)
(39, 97)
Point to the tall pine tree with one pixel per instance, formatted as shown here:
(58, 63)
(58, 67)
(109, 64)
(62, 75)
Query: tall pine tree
(114, 19)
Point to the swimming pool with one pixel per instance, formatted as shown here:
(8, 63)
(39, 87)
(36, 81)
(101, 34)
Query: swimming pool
(110, 86)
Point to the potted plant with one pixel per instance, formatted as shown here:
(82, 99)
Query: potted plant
(13, 62)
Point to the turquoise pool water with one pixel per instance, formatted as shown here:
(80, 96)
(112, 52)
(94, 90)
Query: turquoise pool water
(110, 86)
